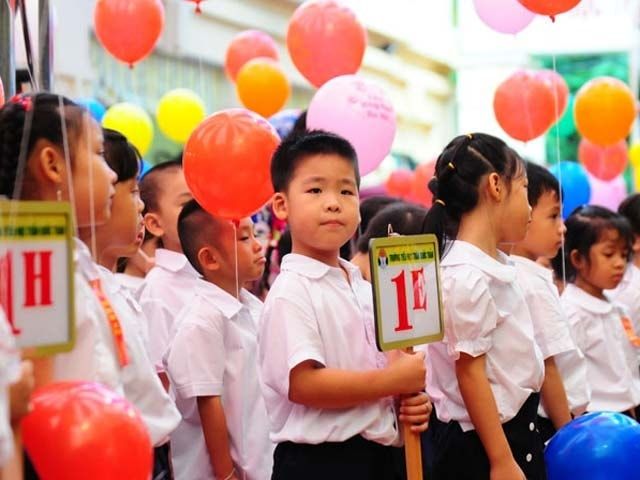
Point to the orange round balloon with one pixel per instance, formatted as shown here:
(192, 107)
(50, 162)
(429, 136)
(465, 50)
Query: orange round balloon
(325, 40)
(399, 183)
(604, 110)
(605, 163)
(227, 163)
(524, 105)
(246, 46)
(262, 86)
(549, 7)
(129, 29)
(422, 175)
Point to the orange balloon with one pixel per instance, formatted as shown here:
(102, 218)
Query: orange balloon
(227, 163)
(262, 86)
(605, 163)
(325, 40)
(549, 7)
(129, 29)
(422, 175)
(399, 183)
(604, 110)
(524, 105)
(246, 46)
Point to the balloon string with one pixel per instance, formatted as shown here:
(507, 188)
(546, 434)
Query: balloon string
(235, 254)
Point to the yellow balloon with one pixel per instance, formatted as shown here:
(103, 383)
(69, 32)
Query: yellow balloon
(634, 155)
(132, 122)
(636, 178)
(179, 112)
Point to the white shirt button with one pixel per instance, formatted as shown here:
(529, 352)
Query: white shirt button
(529, 457)
(532, 427)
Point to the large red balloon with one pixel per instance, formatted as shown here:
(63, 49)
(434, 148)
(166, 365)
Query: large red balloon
(399, 183)
(246, 46)
(524, 105)
(129, 29)
(549, 7)
(325, 40)
(422, 175)
(605, 163)
(227, 163)
(82, 430)
(559, 88)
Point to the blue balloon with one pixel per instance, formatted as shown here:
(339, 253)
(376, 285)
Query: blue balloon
(596, 446)
(96, 109)
(284, 121)
(144, 168)
(576, 190)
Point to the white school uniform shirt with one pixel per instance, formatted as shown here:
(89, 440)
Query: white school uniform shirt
(168, 286)
(552, 332)
(313, 313)
(131, 283)
(485, 313)
(612, 367)
(142, 387)
(215, 353)
(94, 356)
(628, 294)
(9, 373)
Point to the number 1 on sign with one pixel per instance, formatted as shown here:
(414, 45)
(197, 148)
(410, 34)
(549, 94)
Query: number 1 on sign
(419, 297)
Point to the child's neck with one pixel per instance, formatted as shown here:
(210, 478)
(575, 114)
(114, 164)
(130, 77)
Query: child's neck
(229, 285)
(329, 257)
(584, 284)
(636, 260)
(520, 250)
(474, 230)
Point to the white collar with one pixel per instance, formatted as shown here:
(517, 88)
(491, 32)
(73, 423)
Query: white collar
(533, 268)
(465, 253)
(315, 269)
(228, 305)
(84, 261)
(173, 261)
(110, 282)
(580, 298)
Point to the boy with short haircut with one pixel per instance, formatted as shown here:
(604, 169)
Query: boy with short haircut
(565, 390)
(169, 284)
(329, 393)
(212, 360)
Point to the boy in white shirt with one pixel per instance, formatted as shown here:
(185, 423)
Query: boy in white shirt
(170, 283)
(565, 391)
(212, 360)
(329, 393)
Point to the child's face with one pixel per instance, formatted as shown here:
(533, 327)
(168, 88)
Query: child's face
(546, 229)
(321, 205)
(607, 261)
(173, 195)
(250, 253)
(93, 180)
(124, 232)
(516, 211)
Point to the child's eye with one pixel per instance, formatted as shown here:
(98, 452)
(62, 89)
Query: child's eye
(314, 190)
(244, 238)
(346, 192)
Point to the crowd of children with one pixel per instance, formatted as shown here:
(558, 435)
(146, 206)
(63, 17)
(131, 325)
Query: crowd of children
(232, 388)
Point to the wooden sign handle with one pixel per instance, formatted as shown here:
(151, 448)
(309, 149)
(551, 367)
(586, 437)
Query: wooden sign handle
(412, 449)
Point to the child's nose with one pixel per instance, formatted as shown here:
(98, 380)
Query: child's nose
(140, 205)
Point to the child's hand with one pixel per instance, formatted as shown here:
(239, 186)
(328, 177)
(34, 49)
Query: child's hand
(415, 410)
(507, 470)
(20, 392)
(407, 372)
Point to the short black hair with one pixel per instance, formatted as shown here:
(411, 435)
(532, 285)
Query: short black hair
(585, 227)
(541, 181)
(196, 227)
(151, 184)
(370, 207)
(630, 209)
(121, 156)
(295, 148)
(404, 218)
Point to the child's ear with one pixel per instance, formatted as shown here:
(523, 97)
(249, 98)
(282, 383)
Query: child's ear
(153, 225)
(495, 187)
(208, 259)
(49, 163)
(279, 206)
(577, 260)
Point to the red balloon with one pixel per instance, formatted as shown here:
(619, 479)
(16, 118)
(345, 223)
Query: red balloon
(129, 29)
(399, 183)
(549, 7)
(524, 105)
(1, 93)
(197, 2)
(227, 163)
(81, 430)
(325, 40)
(246, 46)
(605, 163)
(559, 88)
(422, 175)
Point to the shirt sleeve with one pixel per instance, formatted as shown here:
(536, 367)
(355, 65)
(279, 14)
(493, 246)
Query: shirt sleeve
(550, 325)
(196, 358)
(289, 336)
(470, 314)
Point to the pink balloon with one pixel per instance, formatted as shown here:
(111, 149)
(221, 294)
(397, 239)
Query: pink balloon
(504, 16)
(359, 111)
(607, 194)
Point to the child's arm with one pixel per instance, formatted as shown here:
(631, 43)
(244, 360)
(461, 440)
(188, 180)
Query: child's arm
(216, 436)
(481, 405)
(554, 397)
(316, 386)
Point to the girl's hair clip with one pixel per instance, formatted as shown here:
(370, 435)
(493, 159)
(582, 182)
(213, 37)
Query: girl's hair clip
(24, 101)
